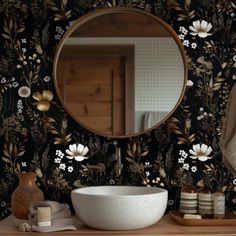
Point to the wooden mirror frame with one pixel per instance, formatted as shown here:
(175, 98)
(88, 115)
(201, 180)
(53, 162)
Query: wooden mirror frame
(89, 16)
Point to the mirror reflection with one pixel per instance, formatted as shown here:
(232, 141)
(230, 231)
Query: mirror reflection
(120, 71)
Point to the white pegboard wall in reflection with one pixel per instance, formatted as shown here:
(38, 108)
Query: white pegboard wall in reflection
(159, 70)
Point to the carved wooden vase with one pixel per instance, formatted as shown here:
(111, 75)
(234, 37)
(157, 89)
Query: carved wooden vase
(24, 195)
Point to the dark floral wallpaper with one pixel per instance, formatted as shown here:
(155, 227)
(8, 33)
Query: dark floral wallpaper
(37, 134)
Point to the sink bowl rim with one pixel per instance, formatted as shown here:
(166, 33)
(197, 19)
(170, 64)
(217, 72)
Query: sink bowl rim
(156, 191)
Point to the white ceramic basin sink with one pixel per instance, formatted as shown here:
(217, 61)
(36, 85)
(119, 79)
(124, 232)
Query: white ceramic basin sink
(119, 207)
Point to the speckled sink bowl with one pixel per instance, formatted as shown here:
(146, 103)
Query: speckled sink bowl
(119, 207)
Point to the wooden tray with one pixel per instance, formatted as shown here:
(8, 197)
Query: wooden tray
(230, 219)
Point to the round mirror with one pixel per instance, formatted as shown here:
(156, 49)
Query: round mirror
(120, 71)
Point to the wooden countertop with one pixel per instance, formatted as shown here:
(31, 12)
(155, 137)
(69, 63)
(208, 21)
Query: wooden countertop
(166, 226)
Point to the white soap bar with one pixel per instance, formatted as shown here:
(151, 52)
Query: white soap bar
(192, 216)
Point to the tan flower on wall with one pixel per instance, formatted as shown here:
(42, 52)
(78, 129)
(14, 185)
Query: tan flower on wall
(44, 100)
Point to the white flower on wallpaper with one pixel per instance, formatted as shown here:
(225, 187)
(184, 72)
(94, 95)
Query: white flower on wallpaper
(193, 45)
(234, 181)
(183, 30)
(57, 160)
(186, 42)
(200, 28)
(23, 164)
(62, 166)
(186, 166)
(194, 169)
(77, 152)
(181, 36)
(70, 169)
(201, 152)
(47, 78)
(24, 91)
(189, 83)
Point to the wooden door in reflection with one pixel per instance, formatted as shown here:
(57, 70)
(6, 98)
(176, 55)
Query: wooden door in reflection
(95, 92)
